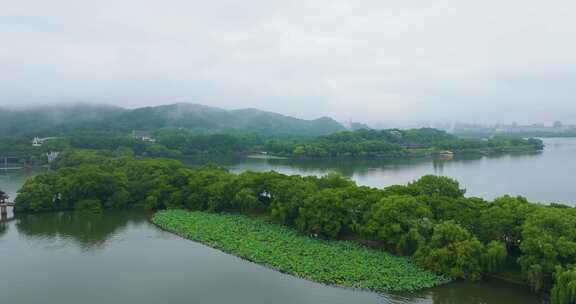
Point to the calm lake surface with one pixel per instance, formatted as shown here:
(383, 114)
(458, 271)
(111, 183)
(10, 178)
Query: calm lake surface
(122, 258)
(541, 177)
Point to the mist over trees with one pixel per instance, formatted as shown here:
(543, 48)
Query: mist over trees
(90, 119)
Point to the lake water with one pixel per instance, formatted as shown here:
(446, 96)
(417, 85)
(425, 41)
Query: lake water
(122, 258)
(541, 177)
(119, 257)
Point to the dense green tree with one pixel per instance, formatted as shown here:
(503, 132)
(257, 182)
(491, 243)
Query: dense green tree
(324, 213)
(288, 196)
(93, 182)
(502, 220)
(399, 190)
(152, 203)
(564, 290)
(359, 201)
(208, 189)
(548, 241)
(116, 182)
(88, 206)
(246, 201)
(494, 257)
(393, 217)
(411, 241)
(37, 195)
(334, 180)
(432, 185)
(452, 250)
(75, 158)
(118, 200)
(463, 210)
(263, 184)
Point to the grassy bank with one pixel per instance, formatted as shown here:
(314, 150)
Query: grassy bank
(330, 262)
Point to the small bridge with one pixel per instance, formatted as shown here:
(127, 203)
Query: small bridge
(4, 207)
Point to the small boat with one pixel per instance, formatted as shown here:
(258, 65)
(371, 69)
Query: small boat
(446, 154)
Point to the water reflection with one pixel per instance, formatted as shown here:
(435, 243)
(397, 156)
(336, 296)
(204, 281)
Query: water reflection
(155, 265)
(541, 177)
(86, 231)
(3, 227)
(353, 167)
(11, 181)
(493, 291)
(347, 166)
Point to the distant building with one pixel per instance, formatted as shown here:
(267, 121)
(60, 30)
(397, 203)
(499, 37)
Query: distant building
(396, 133)
(37, 141)
(143, 136)
(446, 154)
(52, 156)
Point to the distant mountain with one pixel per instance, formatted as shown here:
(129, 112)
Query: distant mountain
(54, 119)
(183, 116)
(358, 126)
(200, 118)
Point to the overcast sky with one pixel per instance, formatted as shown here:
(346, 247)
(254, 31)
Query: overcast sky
(374, 61)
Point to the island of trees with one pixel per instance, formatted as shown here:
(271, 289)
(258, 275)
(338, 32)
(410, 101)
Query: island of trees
(362, 143)
(394, 143)
(430, 220)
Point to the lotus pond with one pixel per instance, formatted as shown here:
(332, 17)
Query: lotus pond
(339, 263)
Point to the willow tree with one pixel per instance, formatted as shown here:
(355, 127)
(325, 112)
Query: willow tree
(494, 257)
(453, 251)
(394, 222)
(549, 240)
(564, 290)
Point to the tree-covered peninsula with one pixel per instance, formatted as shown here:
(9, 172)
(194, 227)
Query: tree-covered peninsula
(429, 220)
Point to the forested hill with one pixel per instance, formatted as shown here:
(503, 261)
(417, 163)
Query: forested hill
(84, 118)
(206, 119)
(54, 120)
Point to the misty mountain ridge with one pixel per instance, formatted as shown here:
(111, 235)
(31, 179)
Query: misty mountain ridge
(63, 119)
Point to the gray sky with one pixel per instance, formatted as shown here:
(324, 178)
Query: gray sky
(366, 60)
